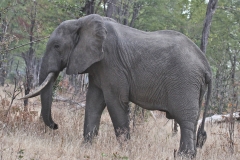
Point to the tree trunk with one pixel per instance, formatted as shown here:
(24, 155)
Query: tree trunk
(233, 103)
(2, 75)
(29, 70)
(89, 7)
(118, 10)
(136, 9)
(112, 9)
(125, 13)
(36, 68)
(3, 56)
(212, 5)
(29, 55)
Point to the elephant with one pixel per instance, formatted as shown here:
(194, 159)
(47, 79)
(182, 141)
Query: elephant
(161, 70)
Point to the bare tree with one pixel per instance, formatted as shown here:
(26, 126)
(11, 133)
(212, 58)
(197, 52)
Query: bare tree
(89, 7)
(233, 99)
(124, 11)
(5, 40)
(111, 9)
(16, 90)
(29, 56)
(212, 5)
(136, 8)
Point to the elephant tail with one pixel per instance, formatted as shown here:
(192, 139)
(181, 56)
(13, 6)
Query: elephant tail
(201, 133)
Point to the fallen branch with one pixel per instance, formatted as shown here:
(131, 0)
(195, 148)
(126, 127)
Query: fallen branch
(221, 118)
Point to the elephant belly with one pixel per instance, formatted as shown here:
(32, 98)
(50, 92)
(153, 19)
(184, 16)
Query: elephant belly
(151, 100)
(150, 106)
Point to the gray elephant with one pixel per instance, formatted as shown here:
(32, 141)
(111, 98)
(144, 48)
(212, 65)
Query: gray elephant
(162, 70)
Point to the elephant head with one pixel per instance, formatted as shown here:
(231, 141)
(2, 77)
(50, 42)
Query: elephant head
(74, 45)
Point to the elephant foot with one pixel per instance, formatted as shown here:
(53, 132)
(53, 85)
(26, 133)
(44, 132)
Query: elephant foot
(89, 136)
(86, 144)
(122, 135)
(53, 126)
(89, 139)
(187, 154)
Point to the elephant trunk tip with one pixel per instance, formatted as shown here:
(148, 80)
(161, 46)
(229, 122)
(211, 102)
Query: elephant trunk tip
(50, 124)
(53, 126)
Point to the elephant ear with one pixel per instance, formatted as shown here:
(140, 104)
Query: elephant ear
(89, 36)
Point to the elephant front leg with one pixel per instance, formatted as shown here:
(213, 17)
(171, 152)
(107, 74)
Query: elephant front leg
(95, 105)
(119, 113)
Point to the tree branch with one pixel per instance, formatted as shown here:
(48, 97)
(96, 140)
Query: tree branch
(25, 44)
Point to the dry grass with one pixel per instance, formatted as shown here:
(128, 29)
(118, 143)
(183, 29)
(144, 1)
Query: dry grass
(151, 140)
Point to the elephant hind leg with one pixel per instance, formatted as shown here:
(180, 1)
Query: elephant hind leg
(187, 142)
(187, 119)
(184, 107)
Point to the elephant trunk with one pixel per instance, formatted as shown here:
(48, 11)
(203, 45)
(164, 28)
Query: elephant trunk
(46, 100)
(45, 90)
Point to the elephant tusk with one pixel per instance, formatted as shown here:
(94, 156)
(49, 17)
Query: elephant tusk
(38, 90)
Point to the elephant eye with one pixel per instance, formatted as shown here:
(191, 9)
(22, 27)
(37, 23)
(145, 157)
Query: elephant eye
(56, 46)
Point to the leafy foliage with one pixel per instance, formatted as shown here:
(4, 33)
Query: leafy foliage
(149, 15)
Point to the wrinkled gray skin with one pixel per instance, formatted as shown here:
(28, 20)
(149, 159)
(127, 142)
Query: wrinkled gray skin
(161, 70)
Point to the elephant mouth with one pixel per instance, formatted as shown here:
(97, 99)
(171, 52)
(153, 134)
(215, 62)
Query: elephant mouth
(37, 91)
